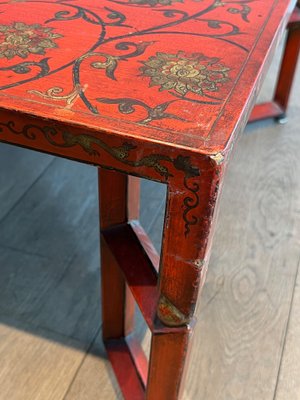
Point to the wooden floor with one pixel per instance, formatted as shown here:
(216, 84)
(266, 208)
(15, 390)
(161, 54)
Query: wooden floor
(247, 343)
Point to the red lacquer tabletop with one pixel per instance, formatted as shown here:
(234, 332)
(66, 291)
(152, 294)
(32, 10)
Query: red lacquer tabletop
(173, 71)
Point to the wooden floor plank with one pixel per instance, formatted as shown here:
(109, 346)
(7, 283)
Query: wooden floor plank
(58, 297)
(22, 168)
(288, 382)
(25, 281)
(72, 307)
(36, 367)
(95, 379)
(44, 223)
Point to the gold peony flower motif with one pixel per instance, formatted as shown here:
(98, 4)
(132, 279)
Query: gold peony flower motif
(195, 73)
(20, 39)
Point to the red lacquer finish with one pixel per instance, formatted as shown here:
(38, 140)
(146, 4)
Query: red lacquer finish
(158, 89)
(133, 68)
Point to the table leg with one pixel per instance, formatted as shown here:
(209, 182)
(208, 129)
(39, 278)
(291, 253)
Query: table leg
(118, 195)
(278, 107)
(185, 253)
(168, 361)
(288, 65)
(167, 298)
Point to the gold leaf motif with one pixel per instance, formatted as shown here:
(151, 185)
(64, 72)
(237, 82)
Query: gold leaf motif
(55, 93)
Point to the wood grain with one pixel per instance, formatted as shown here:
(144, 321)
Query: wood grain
(288, 379)
(36, 366)
(95, 379)
(288, 382)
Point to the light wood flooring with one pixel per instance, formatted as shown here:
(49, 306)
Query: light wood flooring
(247, 343)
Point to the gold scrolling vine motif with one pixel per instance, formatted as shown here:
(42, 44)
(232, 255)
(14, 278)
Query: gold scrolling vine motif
(122, 153)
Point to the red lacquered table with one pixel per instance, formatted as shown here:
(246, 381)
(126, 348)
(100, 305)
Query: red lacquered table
(158, 89)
